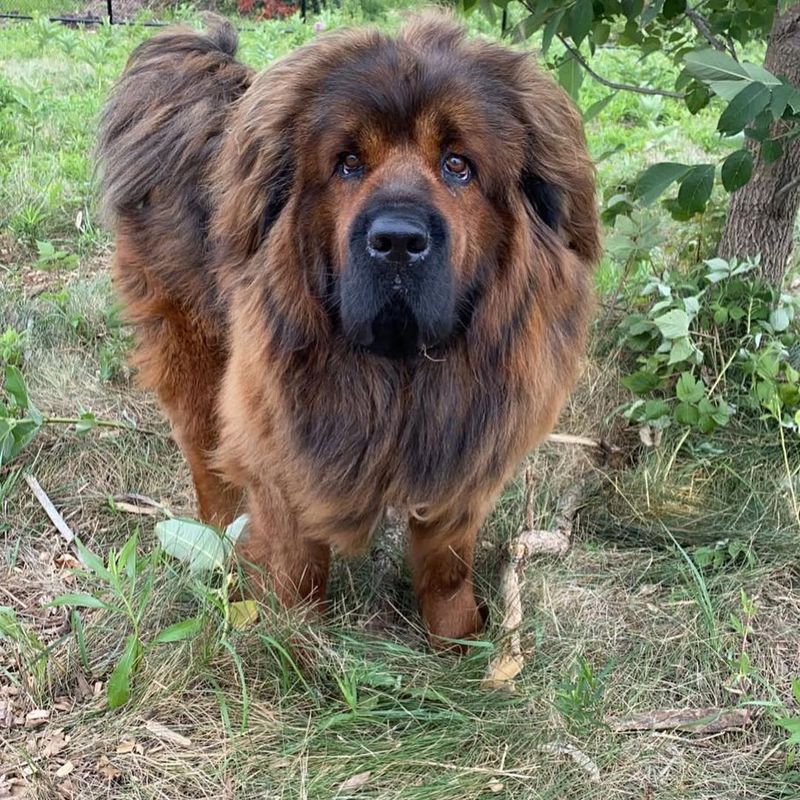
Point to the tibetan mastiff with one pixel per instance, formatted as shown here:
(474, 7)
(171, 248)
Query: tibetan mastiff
(359, 278)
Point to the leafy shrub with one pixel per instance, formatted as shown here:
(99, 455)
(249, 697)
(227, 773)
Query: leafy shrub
(713, 342)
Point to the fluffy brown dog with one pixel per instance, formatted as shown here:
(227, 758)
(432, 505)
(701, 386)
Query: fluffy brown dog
(360, 278)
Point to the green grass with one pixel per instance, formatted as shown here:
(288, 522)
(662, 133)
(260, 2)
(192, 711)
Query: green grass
(646, 611)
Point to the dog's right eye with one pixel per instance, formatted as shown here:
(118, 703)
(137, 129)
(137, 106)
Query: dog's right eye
(349, 165)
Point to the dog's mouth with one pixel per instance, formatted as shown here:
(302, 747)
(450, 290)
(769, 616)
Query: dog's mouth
(393, 333)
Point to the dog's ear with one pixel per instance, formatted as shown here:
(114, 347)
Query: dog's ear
(558, 177)
(544, 197)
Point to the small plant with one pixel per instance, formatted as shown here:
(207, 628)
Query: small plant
(791, 723)
(12, 347)
(579, 697)
(50, 258)
(709, 343)
(743, 627)
(31, 652)
(125, 590)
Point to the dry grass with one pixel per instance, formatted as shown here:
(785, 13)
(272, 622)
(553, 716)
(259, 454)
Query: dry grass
(624, 602)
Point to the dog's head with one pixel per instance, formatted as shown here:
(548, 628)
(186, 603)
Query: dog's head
(387, 179)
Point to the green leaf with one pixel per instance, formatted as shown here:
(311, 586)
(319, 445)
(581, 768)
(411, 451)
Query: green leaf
(14, 384)
(674, 324)
(779, 100)
(696, 187)
(712, 65)
(79, 600)
(771, 150)
(579, 20)
(179, 631)
(570, 76)
(550, 30)
(687, 414)
(737, 169)
(688, 389)
(196, 544)
(86, 423)
(641, 382)
(779, 319)
(93, 562)
(656, 178)
(681, 350)
(118, 689)
(597, 107)
(673, 8)
(234, 531)
(744, 108)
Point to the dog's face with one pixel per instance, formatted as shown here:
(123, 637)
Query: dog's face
(406, 165)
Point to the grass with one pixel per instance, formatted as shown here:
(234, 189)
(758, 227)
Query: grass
(681, 589)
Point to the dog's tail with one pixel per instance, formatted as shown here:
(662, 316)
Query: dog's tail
(163, 123)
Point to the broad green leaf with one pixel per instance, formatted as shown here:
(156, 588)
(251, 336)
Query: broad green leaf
(93, 562)
(79, 600)
(673, 8)
(196, 544)
(570, 76)
(641, 381)
(779, 100)
(86, 423)
(727, 90)
(674, 324)
(779, 319)
(688, 389)
(118, 689)
(681, 350)
(696, 187)
(597, 107)
(712, 65)
(687, 414)
(550, 30)
(179, 631)
(744, 108)
(758, 73)
(234, 531)
(771, 150)
(656, 178)
(579, 20)
(15, 385)
(737, 169)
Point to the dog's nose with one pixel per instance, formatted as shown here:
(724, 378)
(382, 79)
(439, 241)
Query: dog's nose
(398, 239)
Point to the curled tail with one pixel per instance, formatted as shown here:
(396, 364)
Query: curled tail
(162, 123)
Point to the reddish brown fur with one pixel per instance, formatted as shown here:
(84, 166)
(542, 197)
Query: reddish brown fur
(248, 362)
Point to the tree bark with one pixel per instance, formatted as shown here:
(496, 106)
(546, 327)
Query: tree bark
(762, 214)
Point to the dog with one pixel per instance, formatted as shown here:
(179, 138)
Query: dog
(360, 278)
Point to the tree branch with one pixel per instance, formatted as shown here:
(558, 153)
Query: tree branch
(623, 87)
(701, 23)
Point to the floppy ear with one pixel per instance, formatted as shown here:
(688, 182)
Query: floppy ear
(558, 178)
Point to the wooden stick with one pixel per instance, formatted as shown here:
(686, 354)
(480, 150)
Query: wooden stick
(50, 509)
(691, 720)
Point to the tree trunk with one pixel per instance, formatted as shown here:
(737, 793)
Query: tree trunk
(762, 214)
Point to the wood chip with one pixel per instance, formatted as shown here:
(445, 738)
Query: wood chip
(161, 731)
(356, 782)
(53, 743)
(692, 720)
(126, 746)
(495, 786)
(65, 769)
(37, 717)
(578, 756)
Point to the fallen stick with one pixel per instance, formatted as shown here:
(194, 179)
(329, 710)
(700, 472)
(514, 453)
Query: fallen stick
(49, 509)
(578, 756)
(692, 720)
(556, 541)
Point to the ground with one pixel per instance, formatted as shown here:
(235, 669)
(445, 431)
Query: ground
(681, 589)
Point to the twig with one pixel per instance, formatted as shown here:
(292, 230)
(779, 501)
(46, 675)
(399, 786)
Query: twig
(510, 661)
(578, 756)
(50, 509)
(701, 23)
(692, 720)
(625, 87)
(787, 187)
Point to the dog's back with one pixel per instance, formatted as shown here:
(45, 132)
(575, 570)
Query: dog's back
(159, 133)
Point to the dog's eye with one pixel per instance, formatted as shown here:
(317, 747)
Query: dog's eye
(350, 164)
(456, 168)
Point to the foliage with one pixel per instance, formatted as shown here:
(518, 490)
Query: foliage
(705, 43)
(710, 343)
(123, 587)
(266, 9)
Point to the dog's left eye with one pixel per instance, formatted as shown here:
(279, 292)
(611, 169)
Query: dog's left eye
(456, 168)
(350, 164)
